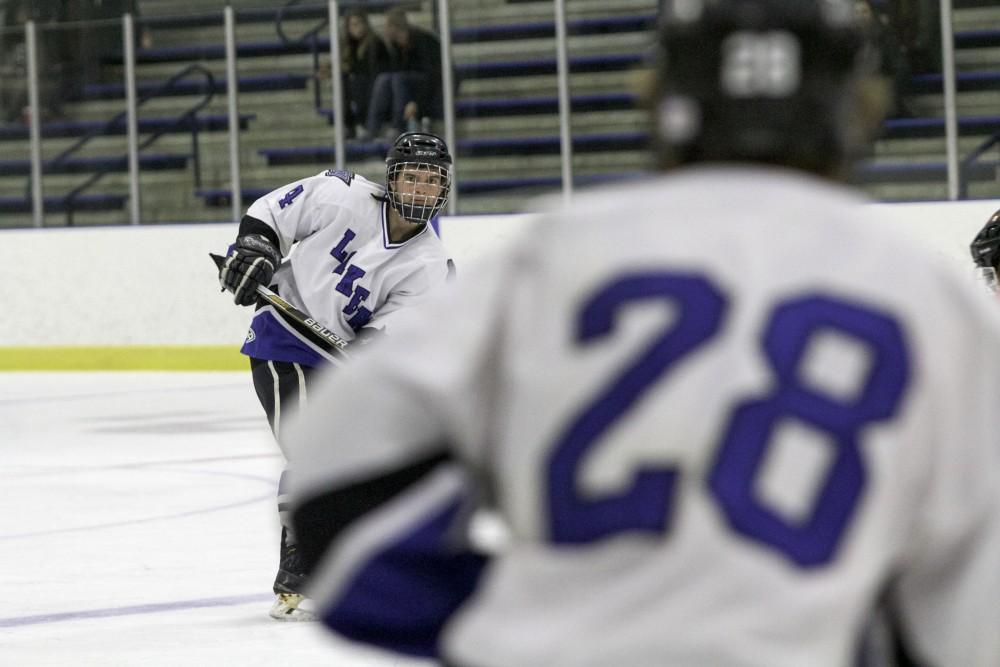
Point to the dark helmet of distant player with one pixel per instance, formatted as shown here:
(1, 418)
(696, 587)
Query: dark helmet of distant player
(418, 176)
(985, 247)
(787, 82)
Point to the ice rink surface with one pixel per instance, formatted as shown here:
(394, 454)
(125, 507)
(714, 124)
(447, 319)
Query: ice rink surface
(138, 525)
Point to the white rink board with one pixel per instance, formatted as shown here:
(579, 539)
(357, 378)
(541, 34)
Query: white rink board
(155, 285)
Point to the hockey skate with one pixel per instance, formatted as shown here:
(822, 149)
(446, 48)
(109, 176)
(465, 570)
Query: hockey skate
(293, 607)
(291, 604)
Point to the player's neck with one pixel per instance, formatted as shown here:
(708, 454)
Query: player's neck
(400, 230)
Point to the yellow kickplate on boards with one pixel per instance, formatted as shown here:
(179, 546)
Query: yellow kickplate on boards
(130, 358)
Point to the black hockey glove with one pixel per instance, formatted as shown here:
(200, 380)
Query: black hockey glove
(985, 247)
(252, 262)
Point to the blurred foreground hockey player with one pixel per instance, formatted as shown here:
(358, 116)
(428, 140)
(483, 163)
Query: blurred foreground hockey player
(723, 413)
(362, 254)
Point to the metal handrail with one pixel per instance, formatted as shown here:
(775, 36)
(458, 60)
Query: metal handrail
(309, 35)
(188, 115)
(969, 160)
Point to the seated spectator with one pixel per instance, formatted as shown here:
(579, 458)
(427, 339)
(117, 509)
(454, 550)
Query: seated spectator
(412, 90)
(363, 56)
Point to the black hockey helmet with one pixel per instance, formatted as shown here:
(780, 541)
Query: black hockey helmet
(985, 247)
(788, 82)
(424, 156)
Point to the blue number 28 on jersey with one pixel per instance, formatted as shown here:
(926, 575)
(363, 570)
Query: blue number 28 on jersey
(645, 505)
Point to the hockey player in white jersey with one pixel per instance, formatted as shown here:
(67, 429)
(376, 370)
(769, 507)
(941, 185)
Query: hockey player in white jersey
(362, 252)
(723, 414)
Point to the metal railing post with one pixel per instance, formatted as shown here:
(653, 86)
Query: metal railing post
(448, 95)
(35, 128)
(565, 130)
(131, 118)
(950, 97)
(232, 103)
(336, 83)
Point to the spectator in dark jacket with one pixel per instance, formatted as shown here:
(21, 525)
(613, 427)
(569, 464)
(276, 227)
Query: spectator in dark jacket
(412, 90)
(363, 56)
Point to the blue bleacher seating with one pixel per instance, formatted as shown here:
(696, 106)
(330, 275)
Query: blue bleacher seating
(83, 165)
(247, 84)
(79, 128)
(56, 204)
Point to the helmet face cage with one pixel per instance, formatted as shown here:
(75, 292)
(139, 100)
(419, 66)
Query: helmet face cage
(417, 190)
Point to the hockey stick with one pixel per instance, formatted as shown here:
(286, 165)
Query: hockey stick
(300, 321)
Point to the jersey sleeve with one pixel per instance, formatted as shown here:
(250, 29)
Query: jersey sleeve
(376, 471)
(945, 595)
(298, 209)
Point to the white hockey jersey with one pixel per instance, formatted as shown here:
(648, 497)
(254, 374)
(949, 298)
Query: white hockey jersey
(343, 269)
(722, 414)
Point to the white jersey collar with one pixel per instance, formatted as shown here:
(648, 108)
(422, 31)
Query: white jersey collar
(385, 231)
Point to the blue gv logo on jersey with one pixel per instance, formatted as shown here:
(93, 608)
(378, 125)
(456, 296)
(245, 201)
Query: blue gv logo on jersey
(356, 313)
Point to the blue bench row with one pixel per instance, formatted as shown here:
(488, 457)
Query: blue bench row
(913, 128)
(459, 35)
(966, 82)
(872, 173)
(465, 147)
(86, 165)
(79, 128)
(247, 84)
(56, 204)
(261, 15)
(977, 39)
